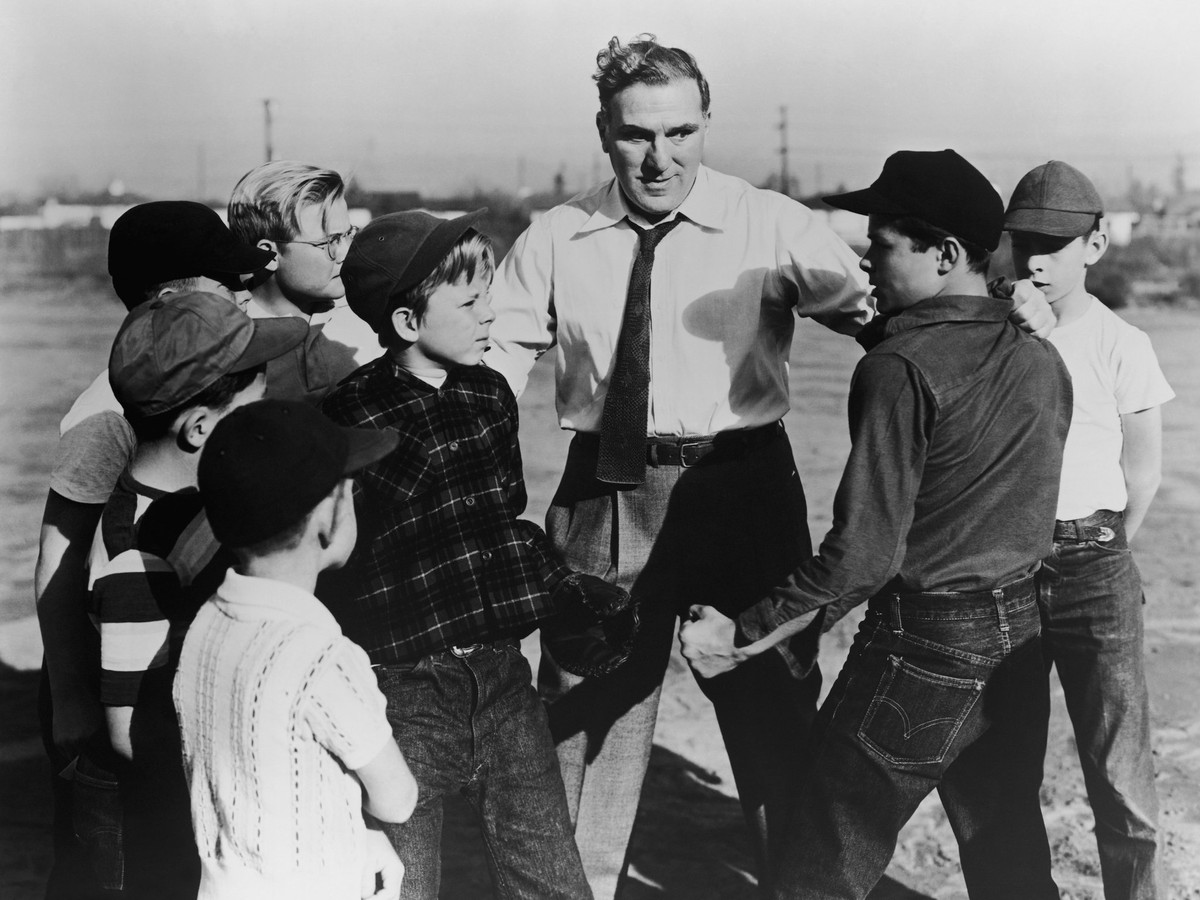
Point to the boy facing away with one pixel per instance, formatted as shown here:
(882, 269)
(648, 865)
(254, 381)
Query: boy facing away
(178, 365)
(447, 579)
(1089, 588)
(280, 714)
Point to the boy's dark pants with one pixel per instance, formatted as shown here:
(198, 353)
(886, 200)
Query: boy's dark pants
(471, 723)
(1090, 593)
(944, 691)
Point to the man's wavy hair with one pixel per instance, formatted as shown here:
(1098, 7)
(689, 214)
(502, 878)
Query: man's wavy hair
(643, 61)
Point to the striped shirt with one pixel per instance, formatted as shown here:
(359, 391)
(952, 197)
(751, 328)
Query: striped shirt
(442, 557)
(153, 562)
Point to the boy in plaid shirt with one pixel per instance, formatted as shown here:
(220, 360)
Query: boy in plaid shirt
(446, 579)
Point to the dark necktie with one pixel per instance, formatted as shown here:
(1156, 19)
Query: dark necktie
(623, 422)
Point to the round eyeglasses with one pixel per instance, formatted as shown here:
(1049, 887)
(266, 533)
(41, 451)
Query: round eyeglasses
(332, 244)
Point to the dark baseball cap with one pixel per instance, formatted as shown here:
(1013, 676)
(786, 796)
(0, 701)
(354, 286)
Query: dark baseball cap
(395, 253)
(937, 186)
(169, 350)
(169, 239)
(1054, 199)
(269, 463)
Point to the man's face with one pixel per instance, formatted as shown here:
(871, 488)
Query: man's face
(306, 275)
(654, 137)
(899, 275)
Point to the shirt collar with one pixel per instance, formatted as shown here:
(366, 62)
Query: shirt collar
(702, 205)
(276, 598)
(934, 311)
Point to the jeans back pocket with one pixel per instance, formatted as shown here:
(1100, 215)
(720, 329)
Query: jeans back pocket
(915, 715)
(97, 819)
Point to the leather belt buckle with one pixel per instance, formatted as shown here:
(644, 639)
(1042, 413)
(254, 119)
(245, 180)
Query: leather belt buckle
(464, 652)
(690, 454)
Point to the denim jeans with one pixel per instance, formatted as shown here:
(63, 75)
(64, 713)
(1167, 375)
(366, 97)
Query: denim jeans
(474, 725)
(722, 533)
(1091, 599)
(944, 691)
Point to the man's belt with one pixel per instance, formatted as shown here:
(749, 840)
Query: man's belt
(1099, 527)
(687, 451)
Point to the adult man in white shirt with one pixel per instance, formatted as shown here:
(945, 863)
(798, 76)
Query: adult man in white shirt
(718, 517)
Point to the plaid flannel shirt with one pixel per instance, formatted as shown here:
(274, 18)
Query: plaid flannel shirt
(442, 558)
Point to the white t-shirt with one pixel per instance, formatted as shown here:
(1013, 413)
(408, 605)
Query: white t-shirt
(274, 705)
(1114, 372)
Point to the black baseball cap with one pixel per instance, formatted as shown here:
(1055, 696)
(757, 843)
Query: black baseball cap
(395, 253)
(937, 186)
(168, 239)
(269, 463)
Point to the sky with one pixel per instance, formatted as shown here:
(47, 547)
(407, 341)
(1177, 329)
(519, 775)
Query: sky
(441, 96)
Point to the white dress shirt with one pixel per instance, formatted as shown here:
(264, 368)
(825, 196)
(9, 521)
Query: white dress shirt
(725, 286)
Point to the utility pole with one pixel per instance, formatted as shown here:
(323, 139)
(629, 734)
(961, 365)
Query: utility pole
(785, 180)
(267, 104)
(201, 172)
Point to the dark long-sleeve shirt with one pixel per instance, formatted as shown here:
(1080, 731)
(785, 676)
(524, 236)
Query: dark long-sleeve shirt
(957, 424)
(442, 558)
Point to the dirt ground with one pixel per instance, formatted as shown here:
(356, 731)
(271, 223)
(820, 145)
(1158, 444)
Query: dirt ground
(689, 840)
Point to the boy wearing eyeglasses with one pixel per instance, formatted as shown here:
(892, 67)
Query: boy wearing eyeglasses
(299, 212)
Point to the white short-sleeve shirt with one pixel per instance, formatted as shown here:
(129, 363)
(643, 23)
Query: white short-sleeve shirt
(1114, 372)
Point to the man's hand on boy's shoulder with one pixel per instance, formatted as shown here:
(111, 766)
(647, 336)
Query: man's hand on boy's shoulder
(1031, 312)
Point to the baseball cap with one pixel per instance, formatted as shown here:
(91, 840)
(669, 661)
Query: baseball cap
(1055, 199)
(936, 186)
(168, 239)
(395, 253)
(269, 463)
(169, 350)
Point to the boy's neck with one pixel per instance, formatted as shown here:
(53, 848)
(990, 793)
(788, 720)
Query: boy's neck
(414, 362)
(272, 300)
(298, 567)
(1071, 307)
(163, 466)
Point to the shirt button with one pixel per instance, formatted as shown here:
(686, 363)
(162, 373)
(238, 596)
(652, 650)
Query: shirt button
(454, 445)
(487, 554)
(470, 501)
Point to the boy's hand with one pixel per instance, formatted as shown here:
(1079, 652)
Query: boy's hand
(1030, 310)
(707, 641)
(382, 867)
(76, 719)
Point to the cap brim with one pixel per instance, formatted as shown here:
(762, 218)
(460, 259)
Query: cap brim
(237, 258)
(1054, 222)
(272, 338)
(368, 445)
(866, 202)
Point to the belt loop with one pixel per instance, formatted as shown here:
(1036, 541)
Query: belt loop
(897, 623)
(1002, 620)
(652, 453)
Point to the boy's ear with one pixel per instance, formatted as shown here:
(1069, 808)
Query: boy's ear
(405, 323)
(1094, 246)
(194, 426)
(949, 253)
